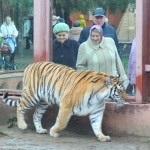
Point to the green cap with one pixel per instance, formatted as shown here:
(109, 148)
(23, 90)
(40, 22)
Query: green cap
(60, 27)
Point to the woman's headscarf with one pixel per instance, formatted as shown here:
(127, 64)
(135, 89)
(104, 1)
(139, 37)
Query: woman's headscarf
(98, 28)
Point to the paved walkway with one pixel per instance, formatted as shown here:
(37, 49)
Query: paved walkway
(15, 139)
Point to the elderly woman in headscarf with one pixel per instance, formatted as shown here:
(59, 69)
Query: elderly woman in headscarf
(100, 54)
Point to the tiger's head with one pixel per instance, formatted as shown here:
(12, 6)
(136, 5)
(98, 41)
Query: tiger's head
(117, 92)
(114, 87)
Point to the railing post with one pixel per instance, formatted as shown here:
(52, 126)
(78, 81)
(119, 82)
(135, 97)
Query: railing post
(143, 50)
(42, 36)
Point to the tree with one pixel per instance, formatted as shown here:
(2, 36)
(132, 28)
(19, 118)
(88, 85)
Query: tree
(66, 7)
(113, 6)
(17, 10)
(25, 5)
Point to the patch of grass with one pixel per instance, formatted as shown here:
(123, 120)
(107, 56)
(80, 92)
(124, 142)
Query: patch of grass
(11, 122)
(147, 140)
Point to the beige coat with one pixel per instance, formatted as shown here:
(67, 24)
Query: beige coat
(74, 33)
(101, 58)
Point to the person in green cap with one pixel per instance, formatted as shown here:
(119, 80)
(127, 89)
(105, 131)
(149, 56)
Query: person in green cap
(65, 50)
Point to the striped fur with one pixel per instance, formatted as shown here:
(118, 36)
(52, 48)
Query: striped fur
(75, 93)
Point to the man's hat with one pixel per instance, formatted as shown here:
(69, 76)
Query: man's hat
(99, 12)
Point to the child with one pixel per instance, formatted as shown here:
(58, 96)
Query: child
(5, 51)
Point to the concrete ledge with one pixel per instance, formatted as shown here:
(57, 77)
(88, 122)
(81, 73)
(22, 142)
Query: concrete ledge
(11, 74)
(132, 119)
(11, 80)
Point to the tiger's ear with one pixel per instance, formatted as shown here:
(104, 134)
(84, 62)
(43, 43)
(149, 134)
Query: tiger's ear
(108, 81)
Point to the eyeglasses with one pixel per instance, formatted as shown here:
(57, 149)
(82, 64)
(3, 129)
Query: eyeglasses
(99, 17)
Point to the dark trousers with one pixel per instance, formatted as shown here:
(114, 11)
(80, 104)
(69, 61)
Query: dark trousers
(27, 42)
(12, 56)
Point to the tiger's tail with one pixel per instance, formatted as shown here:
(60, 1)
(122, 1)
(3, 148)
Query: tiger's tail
(10, 102)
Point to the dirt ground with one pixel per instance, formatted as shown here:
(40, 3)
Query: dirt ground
(16, 139)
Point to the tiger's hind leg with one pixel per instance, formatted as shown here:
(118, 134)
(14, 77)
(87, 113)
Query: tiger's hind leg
(25, 104)
(38, 114)
(61, 121)
(20, 118)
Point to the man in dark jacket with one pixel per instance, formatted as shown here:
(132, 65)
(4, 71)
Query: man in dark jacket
(99, 19)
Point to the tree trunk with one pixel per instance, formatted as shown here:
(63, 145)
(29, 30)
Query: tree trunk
(64, 13)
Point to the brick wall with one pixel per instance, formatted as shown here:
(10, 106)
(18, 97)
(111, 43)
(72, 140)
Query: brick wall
(114, 20)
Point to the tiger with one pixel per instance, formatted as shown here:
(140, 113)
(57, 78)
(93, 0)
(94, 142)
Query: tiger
(75, 93)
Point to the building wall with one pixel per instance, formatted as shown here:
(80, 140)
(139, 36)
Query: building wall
(114, 20)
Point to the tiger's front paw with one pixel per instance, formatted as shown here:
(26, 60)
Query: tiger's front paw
(41, 131)
(104, 138)
(53, 133)
(22, 125)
